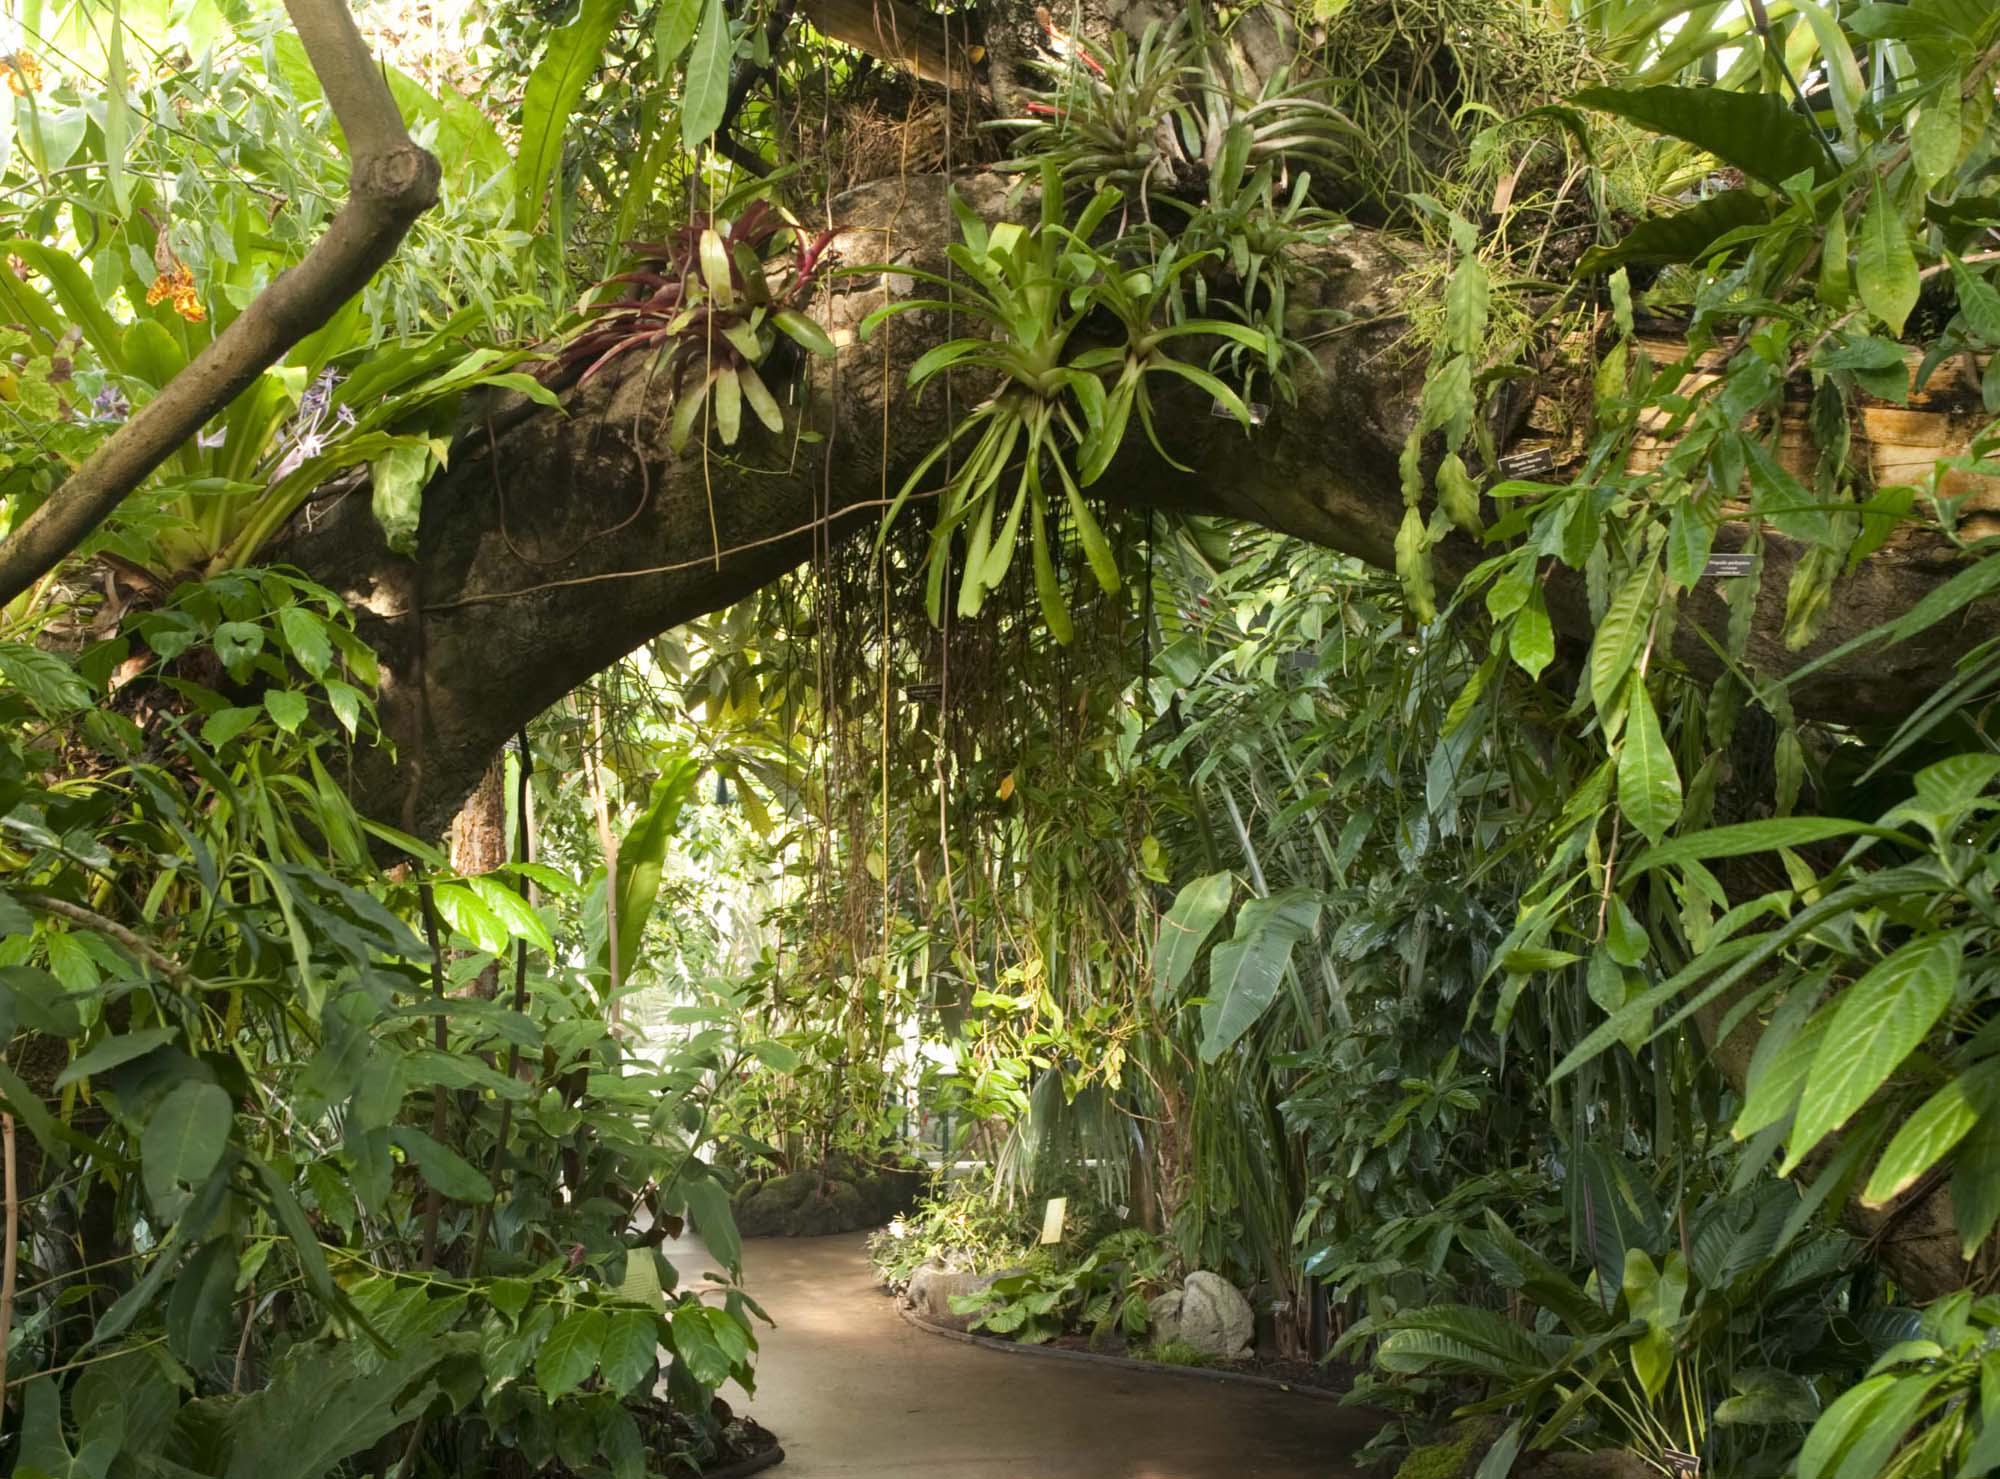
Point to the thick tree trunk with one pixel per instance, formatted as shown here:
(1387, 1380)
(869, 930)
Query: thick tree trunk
(558, 543)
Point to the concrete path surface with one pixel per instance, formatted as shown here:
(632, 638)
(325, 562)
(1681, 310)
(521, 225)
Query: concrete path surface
(852, 1391)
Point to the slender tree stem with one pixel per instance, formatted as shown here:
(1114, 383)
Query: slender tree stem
(9, 1260)
(433, 1198)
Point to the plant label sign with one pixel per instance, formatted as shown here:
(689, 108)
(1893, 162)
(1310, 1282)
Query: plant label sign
(1683, 1465)
(1527, 462)
(1052, 1219)
(1723, 567)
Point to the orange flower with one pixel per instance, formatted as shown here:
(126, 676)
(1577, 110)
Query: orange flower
(24, 72)
(177, 283)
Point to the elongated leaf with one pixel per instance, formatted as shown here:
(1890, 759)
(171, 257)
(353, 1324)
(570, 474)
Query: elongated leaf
(1245, 971)
(1885, 264)
(442, 1167)
(642, 855)
(1649, 783)
(199, 1311)
(708, 1200)
(1929, 1135)
(1621, 634)
(1875, 1024)
(673, 28)
(1741, 838)
(1684, 236)
(1756, 132)
(706, 92)
(1185, 928)
(554, 88)
(113, 1051)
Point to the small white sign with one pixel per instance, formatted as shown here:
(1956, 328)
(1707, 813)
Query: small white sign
(1052, 1219)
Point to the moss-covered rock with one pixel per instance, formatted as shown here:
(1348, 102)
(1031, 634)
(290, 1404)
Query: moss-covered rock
(844, 1198)
(1456, 1455)
(1459, 1453)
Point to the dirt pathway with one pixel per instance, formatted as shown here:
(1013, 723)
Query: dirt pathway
(853, 1391)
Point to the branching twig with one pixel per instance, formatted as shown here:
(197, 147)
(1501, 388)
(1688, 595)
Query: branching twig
(391, 183)
(90, 919)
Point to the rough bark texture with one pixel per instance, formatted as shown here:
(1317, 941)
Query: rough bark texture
(557, 543)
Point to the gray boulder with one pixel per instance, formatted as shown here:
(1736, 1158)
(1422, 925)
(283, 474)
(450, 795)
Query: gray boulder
(1207, 1313)
(932, 1288)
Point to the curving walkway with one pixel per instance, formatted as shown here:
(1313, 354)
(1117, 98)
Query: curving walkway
(853, 1391)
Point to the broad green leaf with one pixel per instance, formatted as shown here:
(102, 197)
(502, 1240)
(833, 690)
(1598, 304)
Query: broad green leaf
(1979, 301)
(397, 492)
(1531, 639)
(183, 1140)
(1929, 1134)
(1185, 928)
(641, 1284)
(520, 921)
(673, 29)
(1245, 970)
(1649, 783)
(708, 1200)
(326, 1403)
(550, 101)
(305, 635)
(570, 1353)
(1757, 132)
(695, 1344)
(49, 683)
(113, 1051)
(287, 708)
(1874, 1025)
(1685, 236)
(1935, 135)
(1413, 566)
(631, 1345)
(225, 724)
(1774, 1086)
(1885, 264)
(1975, 1186)
(200, 1310)
(442, 1167)
(1831, 1437)
(804, 331)
(705, 93)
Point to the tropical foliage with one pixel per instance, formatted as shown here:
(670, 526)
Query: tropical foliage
(1579, 1033)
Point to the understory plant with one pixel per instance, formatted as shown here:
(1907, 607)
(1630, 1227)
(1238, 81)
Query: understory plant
(1106, 1291)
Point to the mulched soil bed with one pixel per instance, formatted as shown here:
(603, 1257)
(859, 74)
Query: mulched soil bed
(1306, 1378)
(1334, 1376)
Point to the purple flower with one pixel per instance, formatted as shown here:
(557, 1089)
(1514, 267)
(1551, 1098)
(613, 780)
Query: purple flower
(309, 444)
(313, 404)
(110, 404)
(211, 439)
